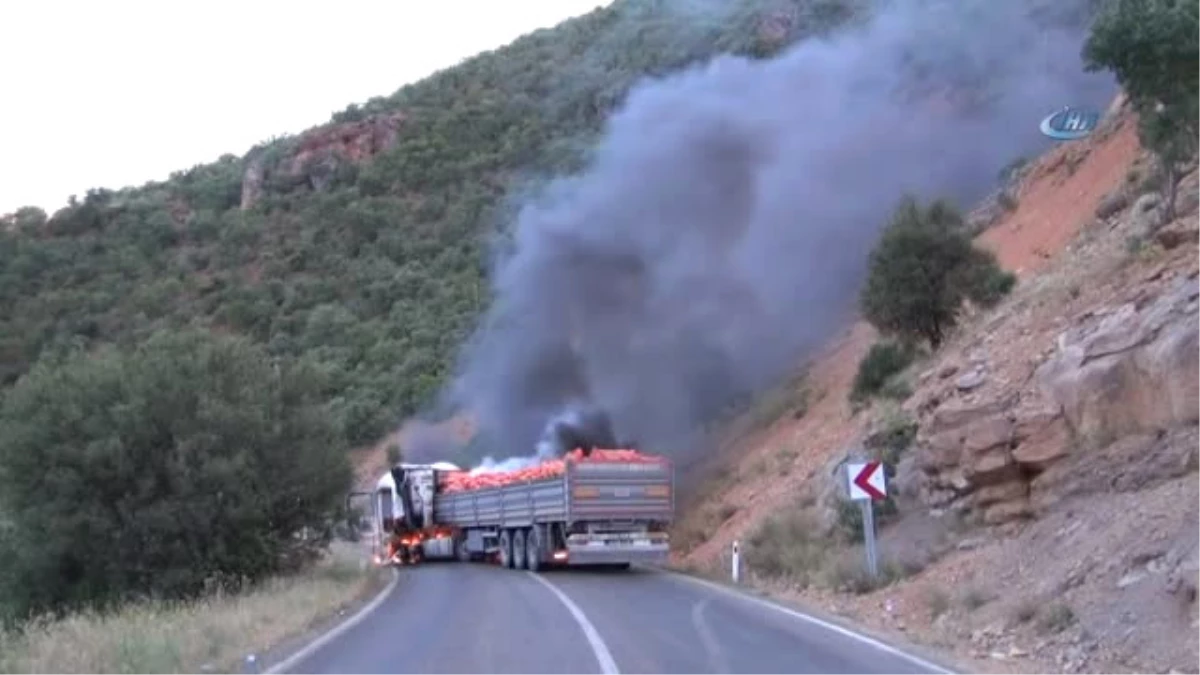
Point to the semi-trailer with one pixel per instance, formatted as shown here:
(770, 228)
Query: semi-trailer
(600, 507)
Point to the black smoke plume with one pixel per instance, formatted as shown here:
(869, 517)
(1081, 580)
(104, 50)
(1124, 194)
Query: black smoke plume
(722, 227)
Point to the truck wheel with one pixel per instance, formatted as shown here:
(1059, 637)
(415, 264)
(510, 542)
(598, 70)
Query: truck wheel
(518, 549)
(506, 557)
(533, 551)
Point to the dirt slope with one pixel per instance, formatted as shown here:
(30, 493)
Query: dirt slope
(1098, 575)
(1057, 197)
(1042, 225)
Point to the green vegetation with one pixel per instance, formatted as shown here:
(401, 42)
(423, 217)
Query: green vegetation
(788, 545)
(1152, 47)
(373, 270)
(922, 270)
(882, 362)
(188, 463)
(183, 364)
(342, 284)
(791, 545)
(894, 434)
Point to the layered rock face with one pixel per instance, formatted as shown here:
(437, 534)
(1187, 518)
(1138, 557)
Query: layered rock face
(319, 153)
(1123, 372)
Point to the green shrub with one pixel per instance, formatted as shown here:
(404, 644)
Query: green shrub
(882, 361)
(163, 470)
(922, 270)
(788, 546)
(848, 573)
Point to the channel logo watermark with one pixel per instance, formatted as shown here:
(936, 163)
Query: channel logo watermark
(1070, 124)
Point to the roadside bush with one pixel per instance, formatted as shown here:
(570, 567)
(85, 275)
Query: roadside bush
(848, 573)
(894, 434)
(788, 546)
(881, 362)
(850, 519)
(189, 462)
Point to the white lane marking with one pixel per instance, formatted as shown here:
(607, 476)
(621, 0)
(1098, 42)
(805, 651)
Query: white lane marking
(715, 657)
(307, 651)
(607, 665)
(882, 646)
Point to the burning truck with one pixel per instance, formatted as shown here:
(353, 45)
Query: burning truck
(591, 505)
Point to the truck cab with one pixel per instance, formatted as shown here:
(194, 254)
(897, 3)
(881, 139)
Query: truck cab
(403, 508)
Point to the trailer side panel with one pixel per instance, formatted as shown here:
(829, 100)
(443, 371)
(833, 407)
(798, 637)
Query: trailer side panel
(621, 491)
(517, 505)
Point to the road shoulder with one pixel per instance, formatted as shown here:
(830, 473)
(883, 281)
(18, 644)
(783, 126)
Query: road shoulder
(291, 652)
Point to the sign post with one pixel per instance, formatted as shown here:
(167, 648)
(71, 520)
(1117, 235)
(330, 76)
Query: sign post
(866, 485)
(737, 562)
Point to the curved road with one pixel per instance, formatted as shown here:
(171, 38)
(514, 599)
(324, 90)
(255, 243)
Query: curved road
(469, 618)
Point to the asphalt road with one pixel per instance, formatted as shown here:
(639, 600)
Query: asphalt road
(473, 618)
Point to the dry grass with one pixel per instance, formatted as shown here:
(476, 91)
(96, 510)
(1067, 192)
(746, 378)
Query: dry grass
(1055, 618)
(212, 633)
(937, 600)
(973, 598)
(1024, 611)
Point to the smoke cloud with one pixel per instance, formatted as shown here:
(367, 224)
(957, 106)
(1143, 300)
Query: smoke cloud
(722, 228)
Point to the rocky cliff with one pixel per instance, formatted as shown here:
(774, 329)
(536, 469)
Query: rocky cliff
(1062, 384)
(314, 158)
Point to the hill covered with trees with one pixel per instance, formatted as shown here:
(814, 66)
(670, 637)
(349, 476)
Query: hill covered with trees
(358, 249)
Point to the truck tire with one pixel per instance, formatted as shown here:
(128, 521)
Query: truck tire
(506, 557)
(518, 549)
(533, 550)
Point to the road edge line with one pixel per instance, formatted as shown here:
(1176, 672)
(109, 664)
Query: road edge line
(311, 648)
(608, 666)
(827, 625)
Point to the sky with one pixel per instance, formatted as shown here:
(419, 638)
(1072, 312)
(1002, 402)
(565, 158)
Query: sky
(118, 93)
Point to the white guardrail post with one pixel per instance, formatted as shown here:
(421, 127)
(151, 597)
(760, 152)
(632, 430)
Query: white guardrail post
(737, 562)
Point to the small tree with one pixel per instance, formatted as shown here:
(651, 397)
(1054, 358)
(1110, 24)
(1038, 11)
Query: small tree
(188, 461)
(922, 269)
(1152, 47)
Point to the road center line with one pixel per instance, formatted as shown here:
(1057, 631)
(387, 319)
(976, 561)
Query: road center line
(607, 665)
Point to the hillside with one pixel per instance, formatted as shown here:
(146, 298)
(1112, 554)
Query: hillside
(616, 214)
(1043, 516)
(359, 245)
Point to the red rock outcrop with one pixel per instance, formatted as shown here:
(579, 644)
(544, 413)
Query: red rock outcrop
(318, 153)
